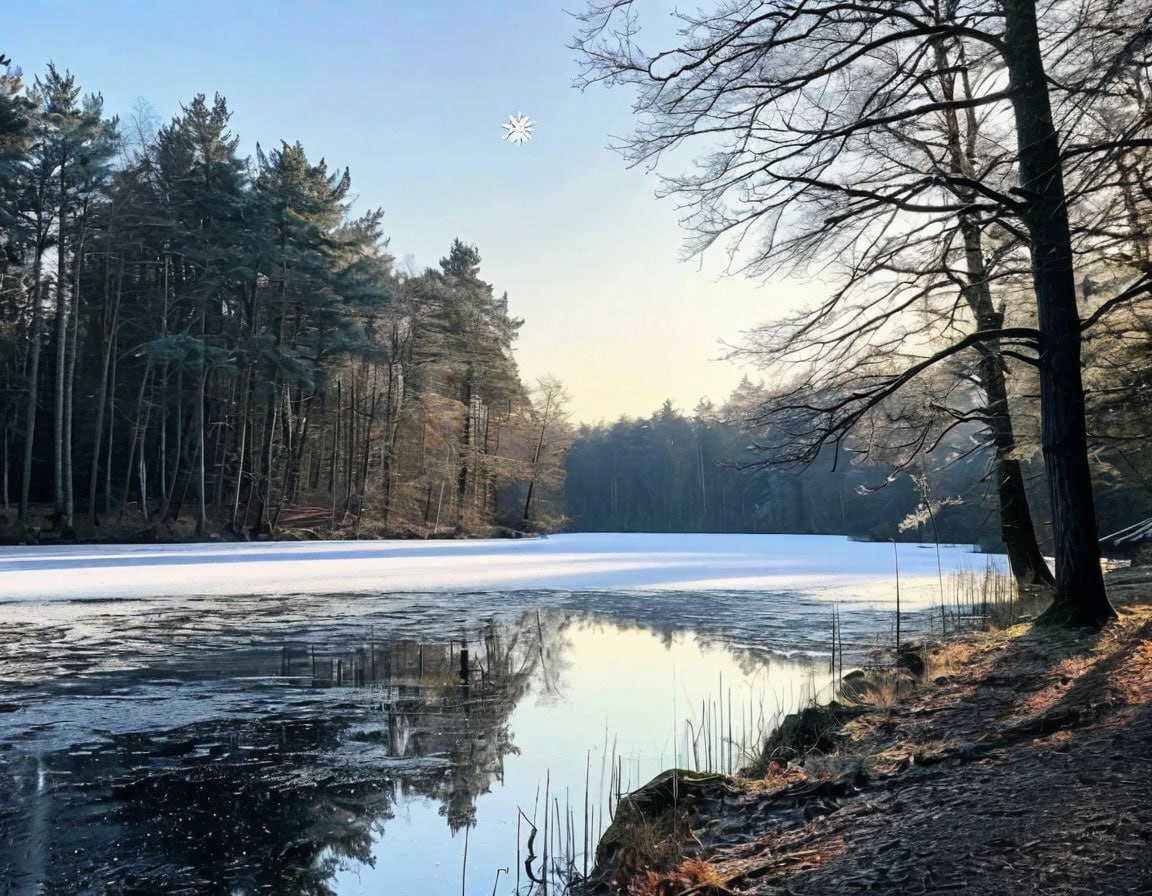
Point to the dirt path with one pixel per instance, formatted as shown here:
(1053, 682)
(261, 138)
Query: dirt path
(1024, 765)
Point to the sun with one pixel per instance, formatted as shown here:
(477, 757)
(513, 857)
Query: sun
(519, 128)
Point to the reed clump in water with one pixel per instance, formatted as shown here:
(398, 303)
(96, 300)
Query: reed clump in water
(987, 600)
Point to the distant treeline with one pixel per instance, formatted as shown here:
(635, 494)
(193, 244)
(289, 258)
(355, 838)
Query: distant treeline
(194, 342)
(189, 334)
(673, 472)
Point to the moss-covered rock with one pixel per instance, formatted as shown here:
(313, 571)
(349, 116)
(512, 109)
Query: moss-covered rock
(814, 729)
(649, 818)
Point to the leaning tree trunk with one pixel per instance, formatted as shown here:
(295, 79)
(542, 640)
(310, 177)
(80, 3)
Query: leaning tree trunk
(111, 422)
(1080, 595)
(266, 510)
(536, 461)
(236, 524)
(139, 432)
(394, 405)
(168, 480)
(1016, 528)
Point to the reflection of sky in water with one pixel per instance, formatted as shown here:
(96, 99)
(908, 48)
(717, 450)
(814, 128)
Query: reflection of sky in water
(203, 740)
(146, 723)
(621, 695)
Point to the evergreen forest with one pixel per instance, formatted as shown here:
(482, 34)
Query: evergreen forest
(196, 343)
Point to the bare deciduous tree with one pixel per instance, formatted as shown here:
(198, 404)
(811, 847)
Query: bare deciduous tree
(790, 104)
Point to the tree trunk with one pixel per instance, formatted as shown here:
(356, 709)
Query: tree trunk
(297, 432)
(335, 448)
(111, 423)
(536, 460)
(169, 484)
(1080, 595)
(201, 511)
(465, 450)
(265, 514)
(73, 338)
(111, 318)
(61, 361)
(33, 389)
(139, 430)
(253, 466)
(366, 454)
(349, 447)
(393, 406)
(142, 470)
(220, 449)
(237, 524)
(1016, 527)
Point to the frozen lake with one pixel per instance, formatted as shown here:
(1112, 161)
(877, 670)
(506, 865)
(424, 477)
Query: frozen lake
(344, 717)
(818, 564)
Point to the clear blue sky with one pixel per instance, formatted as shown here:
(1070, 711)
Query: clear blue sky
(411, 96)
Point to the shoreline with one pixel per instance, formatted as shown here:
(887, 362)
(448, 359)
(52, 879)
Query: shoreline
(1017, 764)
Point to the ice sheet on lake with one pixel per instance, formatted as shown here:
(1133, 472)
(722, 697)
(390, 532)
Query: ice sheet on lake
(576, 562)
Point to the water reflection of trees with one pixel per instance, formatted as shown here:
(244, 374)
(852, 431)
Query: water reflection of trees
(275, 798)
(783, 624)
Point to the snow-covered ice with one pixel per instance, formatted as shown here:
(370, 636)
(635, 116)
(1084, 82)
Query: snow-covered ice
(575, 562)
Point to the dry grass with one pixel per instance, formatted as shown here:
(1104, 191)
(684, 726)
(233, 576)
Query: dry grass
(1024, 731)
(837, 765)
(1021, 717)
(648, 848)
(947, 659)
(877, 687)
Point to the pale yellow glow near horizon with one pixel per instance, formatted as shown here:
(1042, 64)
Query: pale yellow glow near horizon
(660, 342)
(615, 315)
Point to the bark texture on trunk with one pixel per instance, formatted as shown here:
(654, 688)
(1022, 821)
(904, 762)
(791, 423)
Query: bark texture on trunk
(1016, 527)
(1080, 595)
